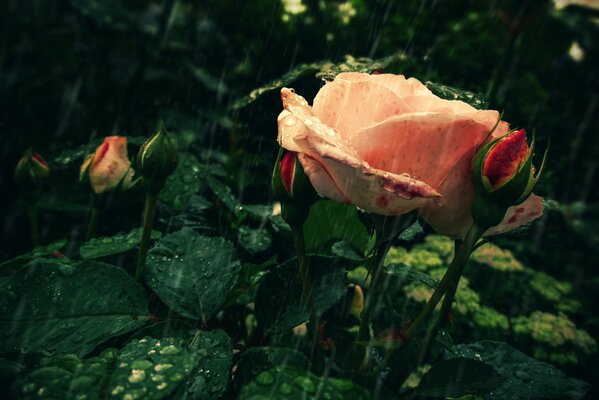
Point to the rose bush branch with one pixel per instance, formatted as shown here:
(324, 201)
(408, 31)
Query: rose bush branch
(157, 159)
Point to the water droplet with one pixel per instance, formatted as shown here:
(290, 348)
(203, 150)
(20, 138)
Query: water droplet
(137, 375)
(265, 378)
(170, 349)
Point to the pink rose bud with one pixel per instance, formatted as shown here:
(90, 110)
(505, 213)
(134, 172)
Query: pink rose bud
(292, 187)
(108, 167)
(31, 169)
(503, 176)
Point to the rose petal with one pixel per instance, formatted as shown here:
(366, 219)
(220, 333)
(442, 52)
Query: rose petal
(529, 210)
(110, 164)
(451, 215)
(349, 105)
(335, 170)
(423, 145)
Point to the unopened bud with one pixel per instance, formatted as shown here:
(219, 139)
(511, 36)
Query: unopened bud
(31, 170)
(292, 187)
(108, 167)
(158, 158)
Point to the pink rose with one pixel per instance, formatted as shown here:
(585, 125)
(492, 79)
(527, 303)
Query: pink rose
(108, 166)
(389, 146)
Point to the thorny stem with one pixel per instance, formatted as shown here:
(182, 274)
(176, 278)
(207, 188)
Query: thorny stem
(32, 214)
(149, 211)
(447, 285)
(304, 273)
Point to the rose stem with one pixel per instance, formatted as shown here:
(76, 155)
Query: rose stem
(149, 210)
(32, 214)
(377, 261)
(93, 221)
(304, 273)
(451, 278)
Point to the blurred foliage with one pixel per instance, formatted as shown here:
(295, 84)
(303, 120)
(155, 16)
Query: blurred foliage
(74, 71)
(530, 309)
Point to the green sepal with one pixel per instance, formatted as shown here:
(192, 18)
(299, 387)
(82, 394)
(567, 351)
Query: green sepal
(157, 158)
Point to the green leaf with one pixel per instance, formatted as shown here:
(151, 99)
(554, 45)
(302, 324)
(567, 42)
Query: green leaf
(225, 194)
(279, 304)
(191, 273)
(184, 182)
(119, 243)
(61, 308)
(414, 230)
(10, 368)
(345, 250)
(147, 368)
(406, 273)
(39, 252)
(525, 377)
(254, 241)
(329, 220)
(476, 100)
(458, 377)
(289, 383)
(324, 70)
(258, 359)
(329, 71)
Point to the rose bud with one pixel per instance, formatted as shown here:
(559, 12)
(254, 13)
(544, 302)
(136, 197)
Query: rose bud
(158, 158)
(292, 187)
(108, 167)
(503, 176)
(357, 304)
(31, 169)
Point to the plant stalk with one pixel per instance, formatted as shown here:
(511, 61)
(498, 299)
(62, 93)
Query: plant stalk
(448, 285)
(149, 211)
(32, 214)
(93, 222)
(304, 274)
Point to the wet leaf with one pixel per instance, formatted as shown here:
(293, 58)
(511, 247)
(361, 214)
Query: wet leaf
(329, 220)
(324, 70)
(476, 100)
(191, 273)
(254, 241)
(279, 304)
(60, 308)
(289, 383)
(406, 273)
(119, 243)
(257, 359)
(183, 183)
(525, 377)
(147, 368)
(458, 377)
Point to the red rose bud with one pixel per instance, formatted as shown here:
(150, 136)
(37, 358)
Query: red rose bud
(108, 167)
(503, 176)
(158, 158)
(31, 170)
(292, 187)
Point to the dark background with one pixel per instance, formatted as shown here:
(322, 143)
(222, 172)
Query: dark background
(73, 71)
